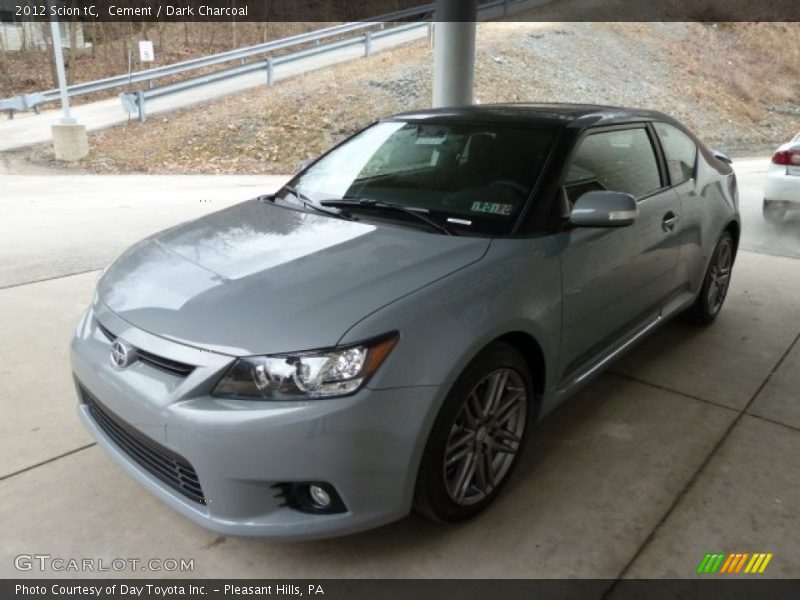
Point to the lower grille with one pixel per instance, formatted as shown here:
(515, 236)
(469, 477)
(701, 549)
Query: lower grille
(170, 468)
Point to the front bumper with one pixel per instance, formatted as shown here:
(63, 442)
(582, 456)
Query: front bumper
(367, 446)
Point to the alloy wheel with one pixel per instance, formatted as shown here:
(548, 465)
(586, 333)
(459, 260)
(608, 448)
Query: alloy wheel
(485, 437)
(720, 276)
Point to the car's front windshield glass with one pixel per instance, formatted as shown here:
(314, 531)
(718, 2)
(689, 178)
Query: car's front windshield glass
(472, 177)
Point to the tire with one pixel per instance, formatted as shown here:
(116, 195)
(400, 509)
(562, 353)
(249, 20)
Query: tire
(716, 282)
(773, 212)
(481, 446)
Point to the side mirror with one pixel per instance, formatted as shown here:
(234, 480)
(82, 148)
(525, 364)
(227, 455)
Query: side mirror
(304, 164)
(722, 156)
(604, 209)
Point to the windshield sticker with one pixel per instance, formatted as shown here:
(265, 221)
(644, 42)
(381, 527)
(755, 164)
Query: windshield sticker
(430, 141)
(492, 208)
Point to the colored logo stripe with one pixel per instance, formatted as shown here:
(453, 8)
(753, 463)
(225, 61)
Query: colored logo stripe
(758, 563)
(734, 562)
(737, 563)
(710, 563)
(727, 564)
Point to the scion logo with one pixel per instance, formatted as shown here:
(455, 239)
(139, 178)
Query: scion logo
(735, 562)
(122, 354)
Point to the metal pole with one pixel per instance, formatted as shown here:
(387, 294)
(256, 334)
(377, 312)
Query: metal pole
(367, 43)
(142, 110)
(55, 32)
(454, 52)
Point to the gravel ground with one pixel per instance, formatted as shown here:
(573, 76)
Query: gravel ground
(703, 75)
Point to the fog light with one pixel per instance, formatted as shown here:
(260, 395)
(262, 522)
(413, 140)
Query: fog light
(320, 497)
(313, 497)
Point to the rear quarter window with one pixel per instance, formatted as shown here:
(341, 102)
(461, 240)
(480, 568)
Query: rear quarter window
(680, 152)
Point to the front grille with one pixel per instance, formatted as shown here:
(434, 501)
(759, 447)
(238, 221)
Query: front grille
(165, 364)
(159, 362)
(166, 465)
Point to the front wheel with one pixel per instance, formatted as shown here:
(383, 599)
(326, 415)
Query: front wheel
(477, 437)
(715, 285)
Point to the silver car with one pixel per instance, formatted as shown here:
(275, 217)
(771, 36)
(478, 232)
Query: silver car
(382, 333)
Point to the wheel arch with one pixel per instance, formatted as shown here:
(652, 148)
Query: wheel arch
(532, 352)
(735, 229)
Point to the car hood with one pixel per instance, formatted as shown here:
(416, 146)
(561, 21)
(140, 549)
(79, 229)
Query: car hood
(258, 278)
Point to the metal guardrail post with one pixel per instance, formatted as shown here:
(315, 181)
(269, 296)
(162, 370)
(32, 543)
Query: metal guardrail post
(142, 110)
(368, 43)
(270, 71)
(10, 113)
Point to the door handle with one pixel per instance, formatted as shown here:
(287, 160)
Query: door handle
(669, 222)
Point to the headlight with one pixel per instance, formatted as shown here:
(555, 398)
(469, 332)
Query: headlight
(302, 375)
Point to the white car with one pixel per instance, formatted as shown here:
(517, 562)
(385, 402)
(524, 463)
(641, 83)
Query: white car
(782, 190)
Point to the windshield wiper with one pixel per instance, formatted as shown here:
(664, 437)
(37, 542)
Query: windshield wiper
(381, 205)
(309, 203)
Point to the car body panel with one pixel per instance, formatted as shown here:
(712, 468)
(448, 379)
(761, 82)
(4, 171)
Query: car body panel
(260, 278)
(257, 278)
(516, 287)
(240, 449)
(630, 275)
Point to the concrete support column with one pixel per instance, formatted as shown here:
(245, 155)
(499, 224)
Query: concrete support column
(70, 141)
(454, 52)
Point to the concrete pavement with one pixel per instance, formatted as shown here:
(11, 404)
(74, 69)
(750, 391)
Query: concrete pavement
(687, 446)
(632, 477)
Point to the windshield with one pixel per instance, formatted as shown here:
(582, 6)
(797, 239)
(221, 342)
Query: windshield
(473, 177)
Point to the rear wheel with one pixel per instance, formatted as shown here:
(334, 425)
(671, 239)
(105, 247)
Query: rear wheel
(477, 437)
(774, 212)
(715, 285)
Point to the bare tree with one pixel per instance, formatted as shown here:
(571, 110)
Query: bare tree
(73, 50)
(48, 39)
(233, 25)
(3, 58)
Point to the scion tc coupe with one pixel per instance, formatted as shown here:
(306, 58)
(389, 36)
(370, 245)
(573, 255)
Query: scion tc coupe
(381, 333)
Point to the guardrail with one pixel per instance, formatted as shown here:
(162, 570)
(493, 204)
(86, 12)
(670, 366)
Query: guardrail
(135, 102)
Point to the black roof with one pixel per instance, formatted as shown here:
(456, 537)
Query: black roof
(555, 114)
